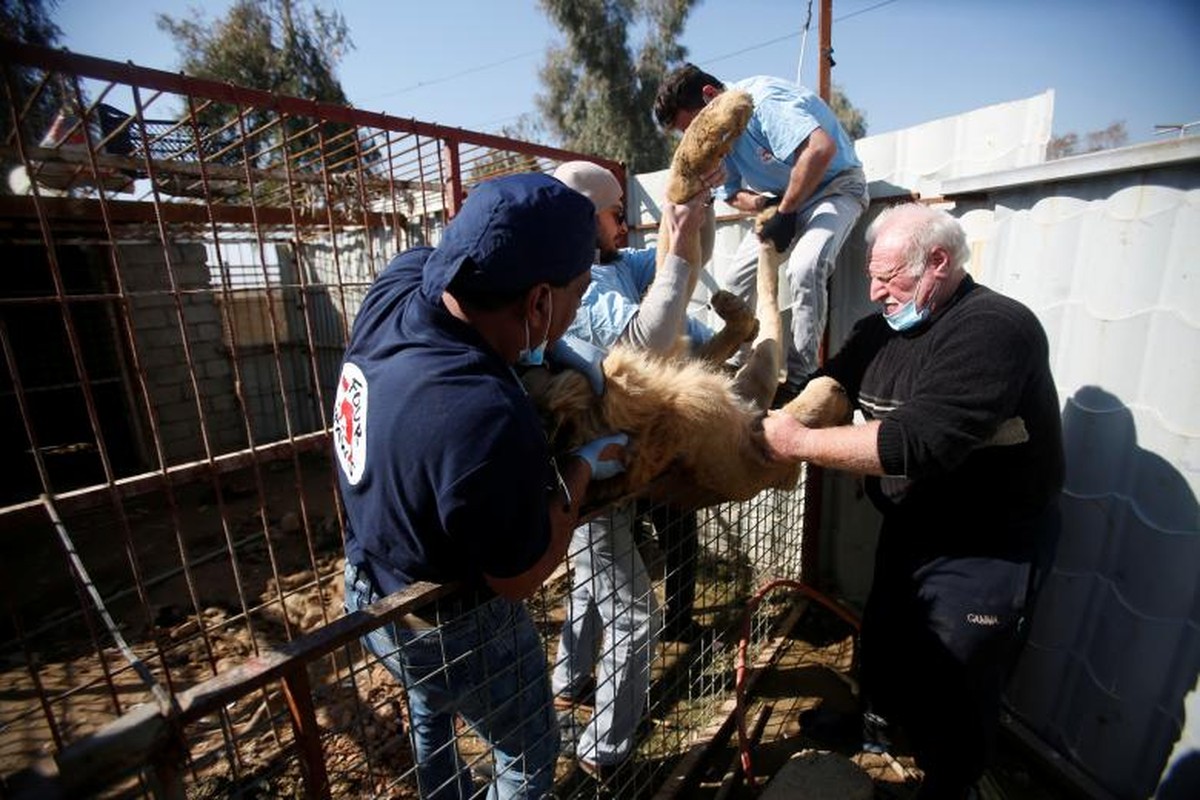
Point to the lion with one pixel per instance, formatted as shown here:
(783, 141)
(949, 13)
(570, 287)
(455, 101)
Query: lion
(695, 430)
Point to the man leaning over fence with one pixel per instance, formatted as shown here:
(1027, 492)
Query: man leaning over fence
(446, 475)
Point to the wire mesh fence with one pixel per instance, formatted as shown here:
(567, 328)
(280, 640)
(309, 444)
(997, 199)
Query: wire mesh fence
(183, 262)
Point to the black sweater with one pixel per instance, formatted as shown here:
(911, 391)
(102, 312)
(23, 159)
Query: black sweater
(942, 391)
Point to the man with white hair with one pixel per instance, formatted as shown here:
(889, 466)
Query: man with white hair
(963, 451)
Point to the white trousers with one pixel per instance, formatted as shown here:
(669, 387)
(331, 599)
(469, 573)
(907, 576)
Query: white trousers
(824, 223)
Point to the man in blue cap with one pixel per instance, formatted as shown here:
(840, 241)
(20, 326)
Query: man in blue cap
(446, 475)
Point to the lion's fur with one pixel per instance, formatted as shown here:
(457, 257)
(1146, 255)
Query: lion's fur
(707, 140)
(685, 421)
(695, 431)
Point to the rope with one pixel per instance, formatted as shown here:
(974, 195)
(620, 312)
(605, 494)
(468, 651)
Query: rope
(803, 44)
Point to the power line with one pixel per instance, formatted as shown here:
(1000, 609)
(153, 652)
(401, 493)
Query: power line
(864, 10)
(779, 39)
(446, 78)
(527, 53)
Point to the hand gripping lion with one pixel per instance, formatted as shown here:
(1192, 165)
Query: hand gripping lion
(695, 431)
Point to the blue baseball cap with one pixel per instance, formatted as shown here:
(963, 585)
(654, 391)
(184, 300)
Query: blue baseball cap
(512, 233)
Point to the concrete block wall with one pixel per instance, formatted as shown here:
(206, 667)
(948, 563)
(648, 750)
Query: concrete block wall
(155, 312)
(337, 282)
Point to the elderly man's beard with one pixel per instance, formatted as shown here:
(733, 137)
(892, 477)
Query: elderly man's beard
(607, 255)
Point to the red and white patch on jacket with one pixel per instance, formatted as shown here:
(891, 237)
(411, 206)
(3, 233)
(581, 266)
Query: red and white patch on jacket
(350, 422)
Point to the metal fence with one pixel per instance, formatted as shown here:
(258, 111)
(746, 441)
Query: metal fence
(183, 261)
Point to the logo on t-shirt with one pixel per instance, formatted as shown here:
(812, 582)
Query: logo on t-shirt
(350, 422)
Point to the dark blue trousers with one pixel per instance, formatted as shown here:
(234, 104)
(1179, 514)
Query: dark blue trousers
(940, 635)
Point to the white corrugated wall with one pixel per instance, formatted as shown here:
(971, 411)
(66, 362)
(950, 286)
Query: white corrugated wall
(1105, 249)
(1109, 259)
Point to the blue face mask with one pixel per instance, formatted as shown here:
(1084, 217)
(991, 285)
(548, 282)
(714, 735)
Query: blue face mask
(536, 356)
(908, 315)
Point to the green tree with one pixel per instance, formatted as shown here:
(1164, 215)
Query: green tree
(28, 21)
(289, 47)
(599, 93)
(1070, 144)
(852, 119)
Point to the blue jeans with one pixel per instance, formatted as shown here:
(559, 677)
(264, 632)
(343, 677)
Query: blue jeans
(486, 666)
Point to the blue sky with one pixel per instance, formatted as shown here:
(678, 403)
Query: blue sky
(474, 63)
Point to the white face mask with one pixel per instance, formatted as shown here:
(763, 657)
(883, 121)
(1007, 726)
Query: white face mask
(534, 357)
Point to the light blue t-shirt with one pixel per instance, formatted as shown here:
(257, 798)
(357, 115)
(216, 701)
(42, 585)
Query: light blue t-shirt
(784, 115)
(612, 299)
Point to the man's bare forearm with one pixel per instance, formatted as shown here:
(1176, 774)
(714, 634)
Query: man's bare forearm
(850, 448)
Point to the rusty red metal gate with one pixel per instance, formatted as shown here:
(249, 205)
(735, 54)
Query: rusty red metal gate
(181, 263)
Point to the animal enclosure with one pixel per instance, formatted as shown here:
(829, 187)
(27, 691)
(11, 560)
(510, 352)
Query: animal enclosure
(183, 262)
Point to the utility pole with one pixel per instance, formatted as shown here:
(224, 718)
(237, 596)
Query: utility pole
(825, 61)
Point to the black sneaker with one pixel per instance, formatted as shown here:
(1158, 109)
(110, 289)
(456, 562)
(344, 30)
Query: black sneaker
(584, 698)
(687, 630)
(602, 774)
(837, 729)
(569, 731)
(875, 737)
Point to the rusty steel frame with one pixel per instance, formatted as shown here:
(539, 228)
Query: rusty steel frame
(277, 172)
(149, 739)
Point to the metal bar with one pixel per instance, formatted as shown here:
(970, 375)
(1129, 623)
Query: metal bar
(272, 663)
(825, 61)
(135, 485)
(79, 210)
(160, 695)
(314, 376)
(178, 83)
(298, 693)
(457, 190)
(43, 474)
(102, 449)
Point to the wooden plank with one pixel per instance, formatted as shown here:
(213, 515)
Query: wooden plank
(97, 761)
